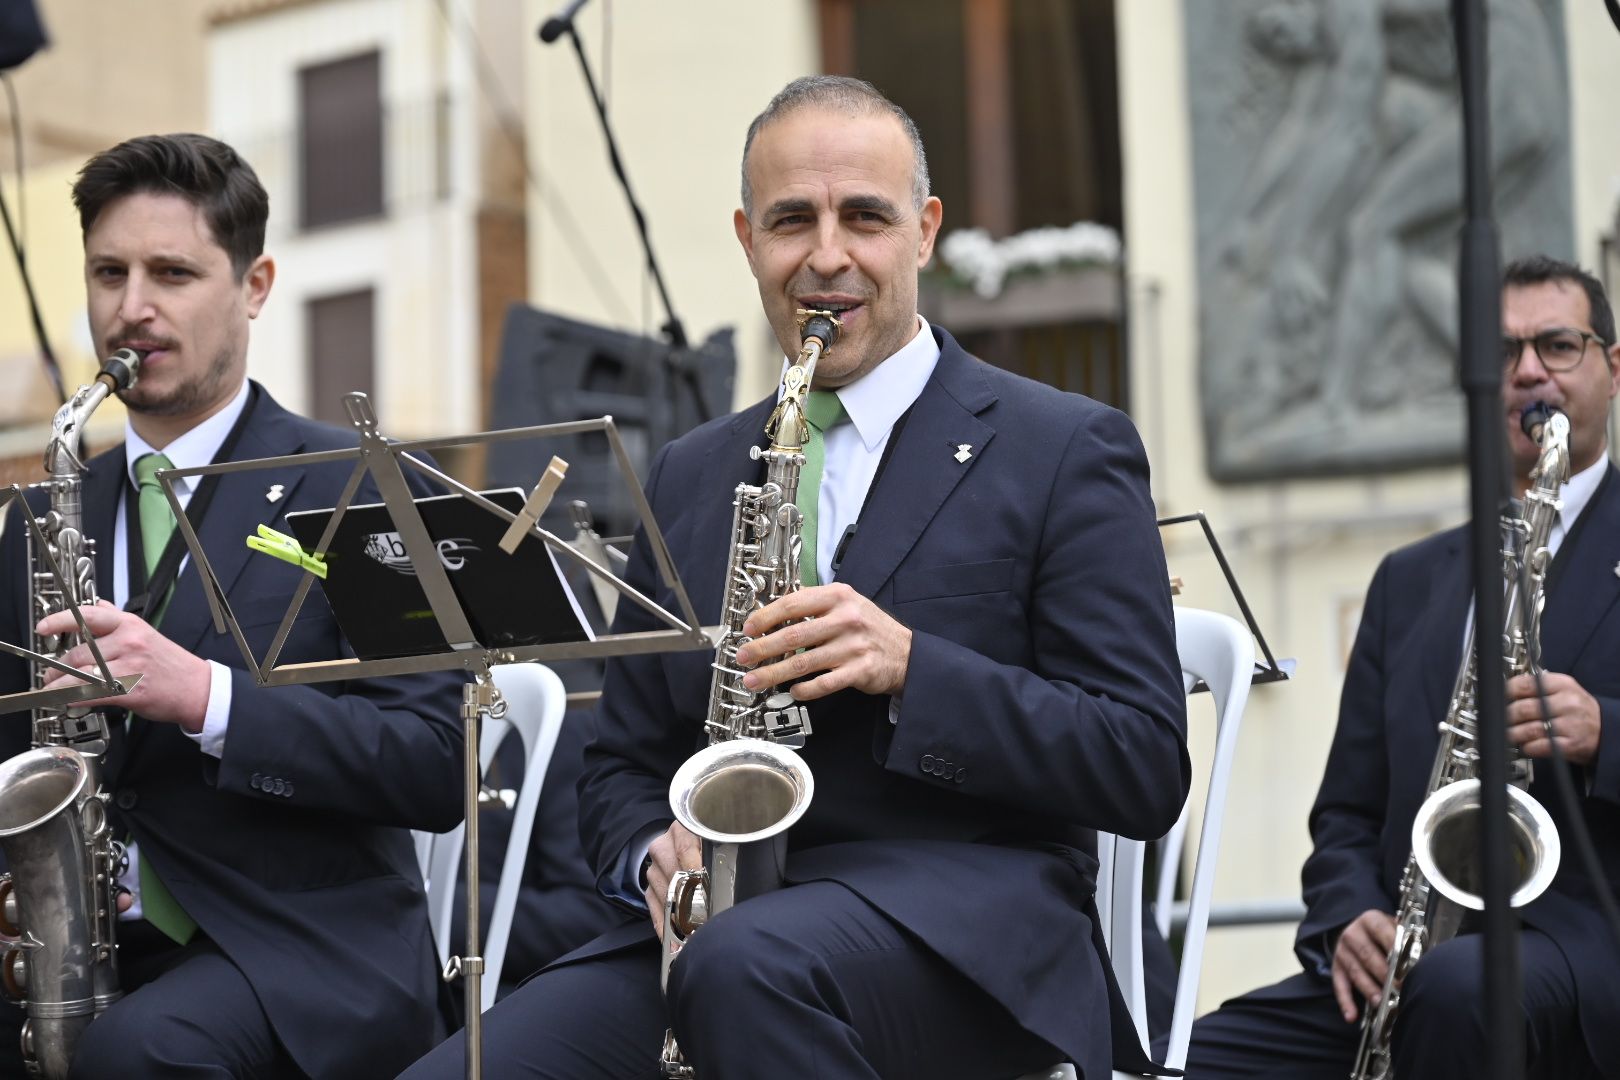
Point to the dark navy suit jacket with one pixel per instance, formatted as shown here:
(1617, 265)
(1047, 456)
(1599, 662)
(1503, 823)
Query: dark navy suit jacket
(1397, 690)
(313, 892)
(1043, 699)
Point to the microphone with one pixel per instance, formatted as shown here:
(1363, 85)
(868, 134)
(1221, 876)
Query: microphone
(560, 23)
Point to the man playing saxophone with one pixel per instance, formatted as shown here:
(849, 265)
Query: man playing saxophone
(278, 926)
(984, 643)
(1559, 349)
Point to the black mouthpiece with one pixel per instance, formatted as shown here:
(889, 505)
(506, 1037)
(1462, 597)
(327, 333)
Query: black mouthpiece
(122, 368)
(821, 327)
(1532, 419)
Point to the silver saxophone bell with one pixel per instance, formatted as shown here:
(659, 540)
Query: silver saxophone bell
(740, 797)
(1446, 844)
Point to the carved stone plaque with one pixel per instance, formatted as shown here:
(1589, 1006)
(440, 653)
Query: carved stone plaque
(1327, 159)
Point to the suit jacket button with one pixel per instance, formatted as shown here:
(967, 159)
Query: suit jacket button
(289, 791)
(948, 771)
(280, 787)
(961, 774)
(126, 799)
(928, 763)
(253, 781)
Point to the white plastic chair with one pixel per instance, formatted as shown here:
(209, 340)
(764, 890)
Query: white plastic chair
(1217, 650)
(535, 703)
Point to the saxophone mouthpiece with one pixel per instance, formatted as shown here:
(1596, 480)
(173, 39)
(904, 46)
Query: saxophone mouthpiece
(1534, 418)
(121, 369)
(821, 325)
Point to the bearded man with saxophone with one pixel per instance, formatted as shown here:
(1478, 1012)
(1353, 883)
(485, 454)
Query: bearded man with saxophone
(1559, 349)
(988, 662)
(279, 926)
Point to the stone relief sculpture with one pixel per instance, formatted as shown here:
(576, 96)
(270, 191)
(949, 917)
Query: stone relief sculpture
(1327, 155)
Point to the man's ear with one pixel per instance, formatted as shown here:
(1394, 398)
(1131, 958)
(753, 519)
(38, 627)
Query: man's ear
(256, 284)
(933, 212)
(745, 235)
(1612, 358)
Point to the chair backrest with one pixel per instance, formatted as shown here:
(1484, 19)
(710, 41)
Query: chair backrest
(535, 703)
(1218, 650)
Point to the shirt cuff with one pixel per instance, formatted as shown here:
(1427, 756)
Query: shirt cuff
(217, 716)
(627, 880)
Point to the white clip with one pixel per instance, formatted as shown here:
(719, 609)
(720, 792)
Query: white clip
(963, 452)
(274, 494)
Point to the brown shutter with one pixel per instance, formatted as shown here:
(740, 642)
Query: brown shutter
(340, 140)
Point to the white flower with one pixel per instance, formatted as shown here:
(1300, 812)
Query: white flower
(985, 263)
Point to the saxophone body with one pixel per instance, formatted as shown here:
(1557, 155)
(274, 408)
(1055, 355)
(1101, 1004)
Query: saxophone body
(1442, 878)
(742, 792)
(58, 907)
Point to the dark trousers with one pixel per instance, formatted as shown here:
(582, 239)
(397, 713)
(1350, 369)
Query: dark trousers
(1292, 1030)
(809, 981)
(187, 1012)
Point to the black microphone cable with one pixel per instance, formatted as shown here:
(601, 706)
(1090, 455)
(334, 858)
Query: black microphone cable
(53, 368)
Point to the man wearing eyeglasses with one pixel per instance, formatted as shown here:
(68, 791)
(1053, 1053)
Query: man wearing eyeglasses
(1558, 347)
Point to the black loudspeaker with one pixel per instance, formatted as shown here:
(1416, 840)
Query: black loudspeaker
(554, 369)
(21, 33)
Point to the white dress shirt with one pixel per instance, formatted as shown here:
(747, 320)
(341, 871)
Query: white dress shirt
(196, 447)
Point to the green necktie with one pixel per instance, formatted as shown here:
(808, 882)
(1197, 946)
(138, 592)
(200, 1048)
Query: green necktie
(158, 905)
(823, 409)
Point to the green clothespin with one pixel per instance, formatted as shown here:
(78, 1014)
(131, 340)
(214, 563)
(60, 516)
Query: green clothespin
(285, 548)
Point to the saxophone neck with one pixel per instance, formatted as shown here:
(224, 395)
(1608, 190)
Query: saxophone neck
(787, 427)
(119, 372)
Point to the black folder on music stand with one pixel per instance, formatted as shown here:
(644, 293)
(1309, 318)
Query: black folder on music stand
(511, 599)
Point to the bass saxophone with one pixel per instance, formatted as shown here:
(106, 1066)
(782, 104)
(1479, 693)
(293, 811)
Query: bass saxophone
(1442, 874)
(58, 903)
(742, 792)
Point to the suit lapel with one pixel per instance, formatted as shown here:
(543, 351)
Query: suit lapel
(104, 484)
(1444, 628)
(240, 505)
(727, 464)
(1588, 585)
(923, 469)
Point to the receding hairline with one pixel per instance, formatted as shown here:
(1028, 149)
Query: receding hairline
(839, 96)
(834, 111)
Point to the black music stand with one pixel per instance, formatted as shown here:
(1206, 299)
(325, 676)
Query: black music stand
(1268, 670)
(385, 461)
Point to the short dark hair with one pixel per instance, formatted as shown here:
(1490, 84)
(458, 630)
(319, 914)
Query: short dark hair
(203, 171)
(1543, 269)
(856, 97)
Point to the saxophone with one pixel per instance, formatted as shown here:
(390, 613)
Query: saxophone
(58, 903)
(742, 792)
(1442, 874)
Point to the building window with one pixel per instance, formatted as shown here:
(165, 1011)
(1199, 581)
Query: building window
(341, 343)
(1018, 106)
(340, 140)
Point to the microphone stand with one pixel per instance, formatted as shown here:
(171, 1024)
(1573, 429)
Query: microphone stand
(673, 330)
(1480, 297)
